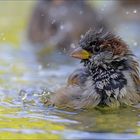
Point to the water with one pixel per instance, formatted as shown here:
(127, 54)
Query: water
(23, 82)
(23, 115)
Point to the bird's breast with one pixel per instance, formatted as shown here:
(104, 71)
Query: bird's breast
(108, 83)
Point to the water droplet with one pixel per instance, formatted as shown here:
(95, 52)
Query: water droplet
(24, 97)
(127, 12)
(62, 27)
(53, 21)
(82, 36)
(40, 67)
(135, 11)
(73, 46)
(64, 50)
(135, 44)
(81, 12)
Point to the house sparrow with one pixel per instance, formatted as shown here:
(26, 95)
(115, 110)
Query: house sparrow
(109, 77)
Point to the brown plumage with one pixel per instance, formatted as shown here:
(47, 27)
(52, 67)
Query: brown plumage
(109, 77)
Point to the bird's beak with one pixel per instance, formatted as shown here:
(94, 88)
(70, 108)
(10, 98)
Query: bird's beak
(80, 53)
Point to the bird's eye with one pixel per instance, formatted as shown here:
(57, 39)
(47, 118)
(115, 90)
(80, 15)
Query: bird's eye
(96, 49)
(92, 43)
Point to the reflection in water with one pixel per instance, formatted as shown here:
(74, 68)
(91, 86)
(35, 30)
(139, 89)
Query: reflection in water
(118, 121)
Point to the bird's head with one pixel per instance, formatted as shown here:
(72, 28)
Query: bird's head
(101, 48)
(112, 68)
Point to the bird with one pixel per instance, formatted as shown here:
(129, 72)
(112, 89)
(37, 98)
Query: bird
(108, 77)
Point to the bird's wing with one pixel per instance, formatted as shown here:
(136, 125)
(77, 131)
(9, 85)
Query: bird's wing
(135, 74)
(78, 77)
